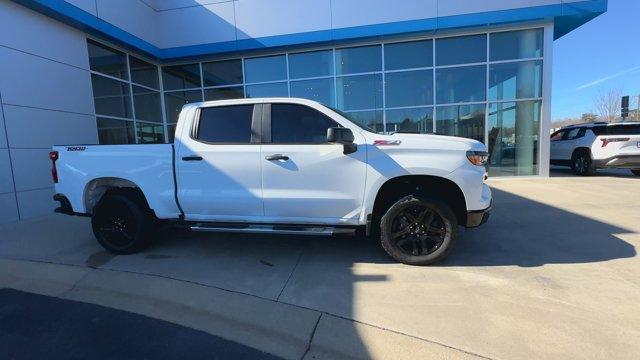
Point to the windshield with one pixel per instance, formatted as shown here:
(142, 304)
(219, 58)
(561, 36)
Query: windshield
(353, 119)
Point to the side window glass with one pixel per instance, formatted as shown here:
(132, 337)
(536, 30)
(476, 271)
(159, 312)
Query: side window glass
(581, 133)
(557, 135)
(225, 124)
(298, 124)
(571, 134)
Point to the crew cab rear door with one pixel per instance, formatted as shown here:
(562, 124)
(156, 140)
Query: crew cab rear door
(218, 164)
(305, 178)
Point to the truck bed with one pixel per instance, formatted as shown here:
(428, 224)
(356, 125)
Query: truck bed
(150, 167)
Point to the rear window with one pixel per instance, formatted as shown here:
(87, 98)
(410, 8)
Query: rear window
(617, 130)
(225, 124)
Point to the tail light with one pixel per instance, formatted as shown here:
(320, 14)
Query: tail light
(478, 158)
(610, 140)
(53, 155)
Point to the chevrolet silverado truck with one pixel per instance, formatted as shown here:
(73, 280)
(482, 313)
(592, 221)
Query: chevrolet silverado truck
(279, 165)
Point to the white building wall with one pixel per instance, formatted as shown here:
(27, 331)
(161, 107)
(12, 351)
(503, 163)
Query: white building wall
(46, 99)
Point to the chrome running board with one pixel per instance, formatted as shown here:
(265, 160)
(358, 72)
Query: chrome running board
(272, 229)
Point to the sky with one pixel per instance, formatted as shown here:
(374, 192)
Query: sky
(599, 56)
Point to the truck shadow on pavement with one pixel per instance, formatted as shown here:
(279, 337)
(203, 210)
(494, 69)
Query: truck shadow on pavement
(528, 233)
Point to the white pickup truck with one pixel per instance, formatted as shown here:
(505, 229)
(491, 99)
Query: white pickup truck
(279, 165)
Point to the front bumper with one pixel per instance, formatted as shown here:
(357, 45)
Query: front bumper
(476, 218)
(620, 162)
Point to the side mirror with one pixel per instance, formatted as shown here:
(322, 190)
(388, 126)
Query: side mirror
(342, 136)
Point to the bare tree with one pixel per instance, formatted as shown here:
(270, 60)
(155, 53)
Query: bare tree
(608, 104)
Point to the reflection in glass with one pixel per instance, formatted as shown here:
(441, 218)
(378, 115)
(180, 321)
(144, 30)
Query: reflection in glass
(228, 72)
(414, 120)
(521, 44)
(461, 120)
(515, 80)
(359, 59)
(171, 130)
(360, 92)
(409, 88)
(369, 119)
(175, 100)
(268, 90)
(513, 138)
(311, 64)
(227, 93)
(149, 133)
(147, 104)
(112, 131)
(268, 68)
(408, 55)
(106, 60)
(111, 97)
(143, 72)
(320, 90)
(461, 50)
(181, 76)
(461, 84)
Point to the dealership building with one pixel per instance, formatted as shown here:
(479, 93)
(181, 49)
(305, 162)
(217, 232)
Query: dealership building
(118, 72)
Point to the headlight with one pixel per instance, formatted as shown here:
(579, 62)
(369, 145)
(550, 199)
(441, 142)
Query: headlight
(478, 158)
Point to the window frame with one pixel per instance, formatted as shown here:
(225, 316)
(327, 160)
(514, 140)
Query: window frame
(266, 125)
(256, 125)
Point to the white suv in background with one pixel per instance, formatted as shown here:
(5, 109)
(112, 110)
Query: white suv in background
(587, 147)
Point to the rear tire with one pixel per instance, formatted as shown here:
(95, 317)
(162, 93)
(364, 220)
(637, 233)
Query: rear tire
(636, 172)
(418, 231)
(582, 164)
(123, 223)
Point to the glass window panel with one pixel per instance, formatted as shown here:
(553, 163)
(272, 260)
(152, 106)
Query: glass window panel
(461, 120)
(174, 101)
(143, 72)
(268, 68)
(181, 76)
(461, 50)
(268, 90)
(171, 131)
(112, 131)
(409, 88)
(461, 84)
(514, 129)
(516, 80)
(320, 90)
(228, 72)
(360, 92)
(359, 59)
(106, 60)
(311, 64)
(408, 55)
(147, 104)
(298, 124)
(227, 93)
(111, 97)
(418, 120)
(520, 44)
(150, 133)
(226, 124)
(371, 120)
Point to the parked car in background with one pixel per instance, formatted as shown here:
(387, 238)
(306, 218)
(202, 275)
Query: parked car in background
(591, 146)
(279, 165)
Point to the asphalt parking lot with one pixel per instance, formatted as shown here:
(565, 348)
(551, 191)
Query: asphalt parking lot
(554, 274)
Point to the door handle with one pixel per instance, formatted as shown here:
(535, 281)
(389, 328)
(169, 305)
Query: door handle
(192, 158)
(276, 157)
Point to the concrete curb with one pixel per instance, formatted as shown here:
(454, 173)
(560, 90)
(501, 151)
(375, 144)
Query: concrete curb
(288, 331)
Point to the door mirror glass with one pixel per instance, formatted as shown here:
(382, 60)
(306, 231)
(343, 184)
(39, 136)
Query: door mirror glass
(342, 136)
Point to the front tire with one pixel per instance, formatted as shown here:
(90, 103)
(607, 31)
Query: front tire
(122, 223)
(635, 172)
(418, 231)
(582, 164)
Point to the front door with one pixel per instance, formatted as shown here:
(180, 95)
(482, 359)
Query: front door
(305, 178)
(218, 165)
